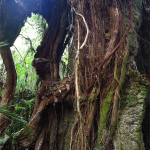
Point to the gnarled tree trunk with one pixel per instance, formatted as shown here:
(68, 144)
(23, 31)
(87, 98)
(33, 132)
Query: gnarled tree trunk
(10, 85)
(81, 111)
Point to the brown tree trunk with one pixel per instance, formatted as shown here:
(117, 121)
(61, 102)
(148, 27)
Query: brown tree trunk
(80, 112)
(10, 84)
(96, 52)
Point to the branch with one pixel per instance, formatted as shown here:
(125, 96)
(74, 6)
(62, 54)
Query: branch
(27, 38)
(30, 23)
(19, 53)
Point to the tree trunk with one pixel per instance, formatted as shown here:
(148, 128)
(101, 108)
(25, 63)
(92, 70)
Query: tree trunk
(82, 111)
(9, 90)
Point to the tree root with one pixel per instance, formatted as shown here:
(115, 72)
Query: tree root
(73, 131)
(117, 91)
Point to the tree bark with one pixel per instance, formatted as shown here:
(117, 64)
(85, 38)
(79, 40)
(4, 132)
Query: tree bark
(9, 90)
(85, 105)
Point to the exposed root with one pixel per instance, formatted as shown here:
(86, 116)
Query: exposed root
(115, 74)
(117, 91)
(73, 131)
(40, 139)
(90, 118)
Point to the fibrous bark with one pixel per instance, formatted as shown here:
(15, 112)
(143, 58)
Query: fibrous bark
(99, 75)
(9, 90)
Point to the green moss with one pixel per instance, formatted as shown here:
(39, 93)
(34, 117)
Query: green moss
(92, 96)
(137, 4)
(134, 95)
(130, 97)
(1, 92)
(144, 90)
(124, 69)
(139, 128)
(104, 112)
(139, 138)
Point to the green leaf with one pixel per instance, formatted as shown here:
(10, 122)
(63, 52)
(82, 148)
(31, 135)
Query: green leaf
(3, 43)
(28, 102)
(13, 115)
(19, 107)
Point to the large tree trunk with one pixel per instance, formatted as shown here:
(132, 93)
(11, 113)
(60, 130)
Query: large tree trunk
(81, 111)
(9, 90)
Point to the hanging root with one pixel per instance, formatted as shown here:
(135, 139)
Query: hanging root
(80, 143)
(115, 49)
(86, 37)
(73, 131)
(115, 74)
(117, 91)
(78, 94)
(90, 118)
(119, 80)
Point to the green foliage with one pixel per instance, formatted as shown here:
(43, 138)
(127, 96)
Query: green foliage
(5, 111)
(3, 140)
(26, 75)
(25, 90)
(130, 97)
(63, 64)
(29, 39)
(91, 97)
(23, 55)
(1, 92)
(3, 43)
(104, 112)
(13, 117)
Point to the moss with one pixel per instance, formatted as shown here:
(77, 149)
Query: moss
(144, 96)
(124, 69)
(135, 95)
(144, 91)
(139, 138)
(130, 97)
(137, 4)
(1, 92)
(104, 112)
(92, 96)
(139, 128)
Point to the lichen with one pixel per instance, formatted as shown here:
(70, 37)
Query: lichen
(131, 117)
